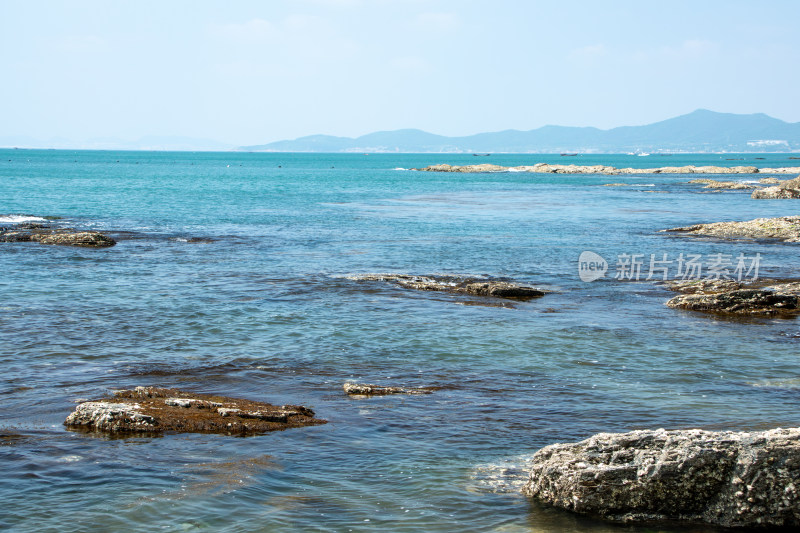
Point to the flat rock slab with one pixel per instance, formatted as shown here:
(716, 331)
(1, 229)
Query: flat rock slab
(46, 234)
(155, 410)
(786, 229)
(764, 297)
(365, 389)
(607, 170)
(732, 479)
(459, 285)
(714, 184)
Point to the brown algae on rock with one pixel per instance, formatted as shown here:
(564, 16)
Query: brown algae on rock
(156, 410)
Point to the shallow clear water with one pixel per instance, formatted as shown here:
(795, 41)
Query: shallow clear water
(261, 307)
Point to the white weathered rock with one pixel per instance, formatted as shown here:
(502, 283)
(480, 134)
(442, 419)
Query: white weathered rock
(746, 479)
(191, 402)
(109, 416)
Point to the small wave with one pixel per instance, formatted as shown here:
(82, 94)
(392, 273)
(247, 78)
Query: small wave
(17, 219)
(400, 168)
(505, 476)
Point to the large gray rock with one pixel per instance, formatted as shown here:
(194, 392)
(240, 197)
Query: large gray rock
(784, 189)
(783, 228)
(724, 478)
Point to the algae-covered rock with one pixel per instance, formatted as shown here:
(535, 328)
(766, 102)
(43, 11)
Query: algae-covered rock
(155, 410)
(782, 228)
(458, 285)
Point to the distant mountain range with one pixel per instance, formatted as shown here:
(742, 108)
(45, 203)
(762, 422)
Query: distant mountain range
(700, 131)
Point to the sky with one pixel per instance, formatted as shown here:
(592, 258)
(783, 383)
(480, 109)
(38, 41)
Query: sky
(252, 72)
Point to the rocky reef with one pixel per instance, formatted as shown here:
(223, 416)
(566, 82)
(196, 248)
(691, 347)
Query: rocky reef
(764, 297)
(48, 234)
(786, 229)
(714, 184)
(783, 189)
(458, 285)
(156, 410)
(731, 479)
(365, 389)
(607, 170)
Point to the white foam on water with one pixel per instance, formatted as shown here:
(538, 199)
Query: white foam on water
(17, 219)
(400, 168)
(505, 476)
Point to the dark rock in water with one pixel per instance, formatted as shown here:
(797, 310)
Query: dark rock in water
(91, 239)
(364, 389)
(764, 297)
(8, 438)
(46, 234)
(459, 285)
(786, 229)
(750, 302)
(724, 478)
(152, 409)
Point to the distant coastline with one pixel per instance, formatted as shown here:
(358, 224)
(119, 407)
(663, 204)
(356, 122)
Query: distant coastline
(699, 132)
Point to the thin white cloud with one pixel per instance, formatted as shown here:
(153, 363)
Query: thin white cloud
(688, 50)
(437, 21)
(591, 52)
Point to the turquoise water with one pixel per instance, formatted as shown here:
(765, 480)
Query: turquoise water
(230, 276)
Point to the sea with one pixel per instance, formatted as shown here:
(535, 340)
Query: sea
(234, 275)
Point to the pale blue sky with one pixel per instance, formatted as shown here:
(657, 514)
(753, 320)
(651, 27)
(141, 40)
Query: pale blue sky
(250, 72)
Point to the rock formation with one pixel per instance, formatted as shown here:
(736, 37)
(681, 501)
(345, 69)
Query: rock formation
(46, 234)
(714, 184)
(748, 479)
(782, 228)
(784, 189)
(764, 297)
(155, 410)
(364, 389)
(458, 285)
(607, 170)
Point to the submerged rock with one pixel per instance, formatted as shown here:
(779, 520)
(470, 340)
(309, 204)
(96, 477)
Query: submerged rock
(364, 389)
(747, 479)
(714, 184)
(153, 409)
(458, 285)
(783, 228)
(46, 234)
(784, 189)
